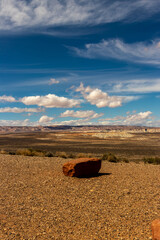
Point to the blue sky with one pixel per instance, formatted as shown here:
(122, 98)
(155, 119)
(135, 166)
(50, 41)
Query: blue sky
(80, 62)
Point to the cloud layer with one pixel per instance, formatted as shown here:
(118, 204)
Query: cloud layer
(50, 101)
(81, 114)
(21, 15)
(5, 98)
(137, 86)
(141, 118)
(144, 53)
(77, 122)
(25, 122)
(20, 110)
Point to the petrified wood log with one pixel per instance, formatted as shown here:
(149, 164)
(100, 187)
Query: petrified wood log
(156, 229)
(82, 167)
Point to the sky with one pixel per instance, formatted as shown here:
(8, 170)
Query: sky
(77, 62)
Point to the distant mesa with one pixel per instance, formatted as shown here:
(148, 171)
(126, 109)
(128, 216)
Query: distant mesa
(98, 128)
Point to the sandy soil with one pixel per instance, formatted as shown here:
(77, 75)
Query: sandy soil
(38, 202)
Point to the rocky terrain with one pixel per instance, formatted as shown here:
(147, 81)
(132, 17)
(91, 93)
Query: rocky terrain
(38, 202)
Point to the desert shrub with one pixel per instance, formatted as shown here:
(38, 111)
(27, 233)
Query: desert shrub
(152, 160)
(157, 160)
(126, 160)
(30, 152)
(11, 153)
(90, 155)
(3, 152)
(148, 160)
(112, 158)
(38, 153)
(109, 157)
(24, 152)
(71, 155)
(144, 160)
(48, 154)
(82, 155)
(61, 154)
(104, 156)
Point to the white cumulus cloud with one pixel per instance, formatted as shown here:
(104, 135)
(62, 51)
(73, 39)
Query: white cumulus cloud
(45, 119)
(101, 99)
(50, 101)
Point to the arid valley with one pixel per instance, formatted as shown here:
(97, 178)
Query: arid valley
(132, 143)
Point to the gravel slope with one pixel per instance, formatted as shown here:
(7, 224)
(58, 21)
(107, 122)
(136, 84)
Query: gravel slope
(38, 202)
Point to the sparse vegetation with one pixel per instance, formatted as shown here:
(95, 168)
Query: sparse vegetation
(28, 152)
(42, 153)
(11, 153)
(24, 152)
(74, 155)
(105, 156)
(82, 155)
(71, 155)
(126, 160)
(61, 154)
(3, 152)
(49, 154)
(110, 157)
(152, 160)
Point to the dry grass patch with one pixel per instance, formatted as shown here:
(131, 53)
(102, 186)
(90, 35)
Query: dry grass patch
(32, 152)
(61, 154)
(3, 151)
(110, 157)
(84, 155)
(152, 160)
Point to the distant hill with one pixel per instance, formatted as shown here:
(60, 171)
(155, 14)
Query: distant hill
(13, 129)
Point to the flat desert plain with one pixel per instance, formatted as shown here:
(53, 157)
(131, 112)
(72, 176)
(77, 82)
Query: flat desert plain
(130, 145)
(38, 202)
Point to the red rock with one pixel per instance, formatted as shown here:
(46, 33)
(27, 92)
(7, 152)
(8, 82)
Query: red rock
(82, 167)
(156, 229)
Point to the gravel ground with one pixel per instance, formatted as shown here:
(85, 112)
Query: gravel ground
(38, 202)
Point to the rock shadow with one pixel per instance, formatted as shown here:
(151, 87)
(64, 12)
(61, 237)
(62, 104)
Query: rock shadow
(96, 175)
